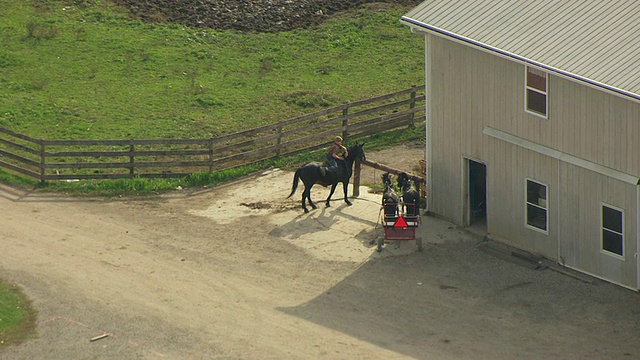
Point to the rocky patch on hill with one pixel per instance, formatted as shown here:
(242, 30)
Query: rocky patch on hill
(245, 15)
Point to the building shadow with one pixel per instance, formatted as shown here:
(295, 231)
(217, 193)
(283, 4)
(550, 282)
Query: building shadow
(455, 301)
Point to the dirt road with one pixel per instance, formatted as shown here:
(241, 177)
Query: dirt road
(239, 272)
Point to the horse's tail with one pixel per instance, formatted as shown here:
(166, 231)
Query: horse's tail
(296, 179)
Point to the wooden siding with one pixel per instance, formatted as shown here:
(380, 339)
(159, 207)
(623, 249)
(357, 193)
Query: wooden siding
(582, 121)
(509, 167)
(464, 82)
(595, 126)
(582, 193)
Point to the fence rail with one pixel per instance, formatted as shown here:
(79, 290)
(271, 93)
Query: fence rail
(116, 159)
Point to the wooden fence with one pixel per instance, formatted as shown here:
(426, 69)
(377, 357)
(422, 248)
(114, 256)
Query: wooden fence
(114, 159)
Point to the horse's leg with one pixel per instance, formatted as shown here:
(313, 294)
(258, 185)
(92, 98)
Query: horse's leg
(313, 206)
(333, 188)
(345, 185)
(304, 196)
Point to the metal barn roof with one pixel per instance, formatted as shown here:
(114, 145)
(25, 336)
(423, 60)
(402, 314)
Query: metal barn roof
(593, 41)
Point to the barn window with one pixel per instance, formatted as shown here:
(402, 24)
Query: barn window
(612, 230)
(536, 205)
(536, 91)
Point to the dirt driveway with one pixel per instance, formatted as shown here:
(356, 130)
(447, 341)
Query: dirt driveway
(239, 272)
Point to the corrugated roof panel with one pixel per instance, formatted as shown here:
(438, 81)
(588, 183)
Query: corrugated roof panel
(592, 40)
(624, 69)
(626, 58)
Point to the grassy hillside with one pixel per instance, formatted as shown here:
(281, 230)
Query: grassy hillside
(85, 70)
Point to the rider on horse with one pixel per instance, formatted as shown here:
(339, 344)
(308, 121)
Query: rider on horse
(334, 152)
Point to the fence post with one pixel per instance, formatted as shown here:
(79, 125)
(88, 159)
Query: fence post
(356, 179)
(42, 157)
(345, 121)
(412, 105)
(210, 146)
(131, 157)
(279, 141)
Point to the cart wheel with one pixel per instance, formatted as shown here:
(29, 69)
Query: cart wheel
(380, 241)
(419, 241)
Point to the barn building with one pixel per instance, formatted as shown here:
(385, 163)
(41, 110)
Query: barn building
(533, 126)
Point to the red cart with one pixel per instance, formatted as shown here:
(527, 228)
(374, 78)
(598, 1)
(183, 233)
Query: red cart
(399, 227)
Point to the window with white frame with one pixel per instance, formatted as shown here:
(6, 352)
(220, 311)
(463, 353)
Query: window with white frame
(612, 230)
(536, 91)
(536, 205)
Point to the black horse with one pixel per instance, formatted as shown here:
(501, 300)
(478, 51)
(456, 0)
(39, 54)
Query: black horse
(410, 196)
(318, 173)
(390, 199)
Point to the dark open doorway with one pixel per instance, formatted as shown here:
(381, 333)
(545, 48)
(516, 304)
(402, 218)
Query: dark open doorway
(477, 191)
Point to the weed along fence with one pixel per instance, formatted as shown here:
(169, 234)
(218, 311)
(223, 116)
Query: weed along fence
(114, 159)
